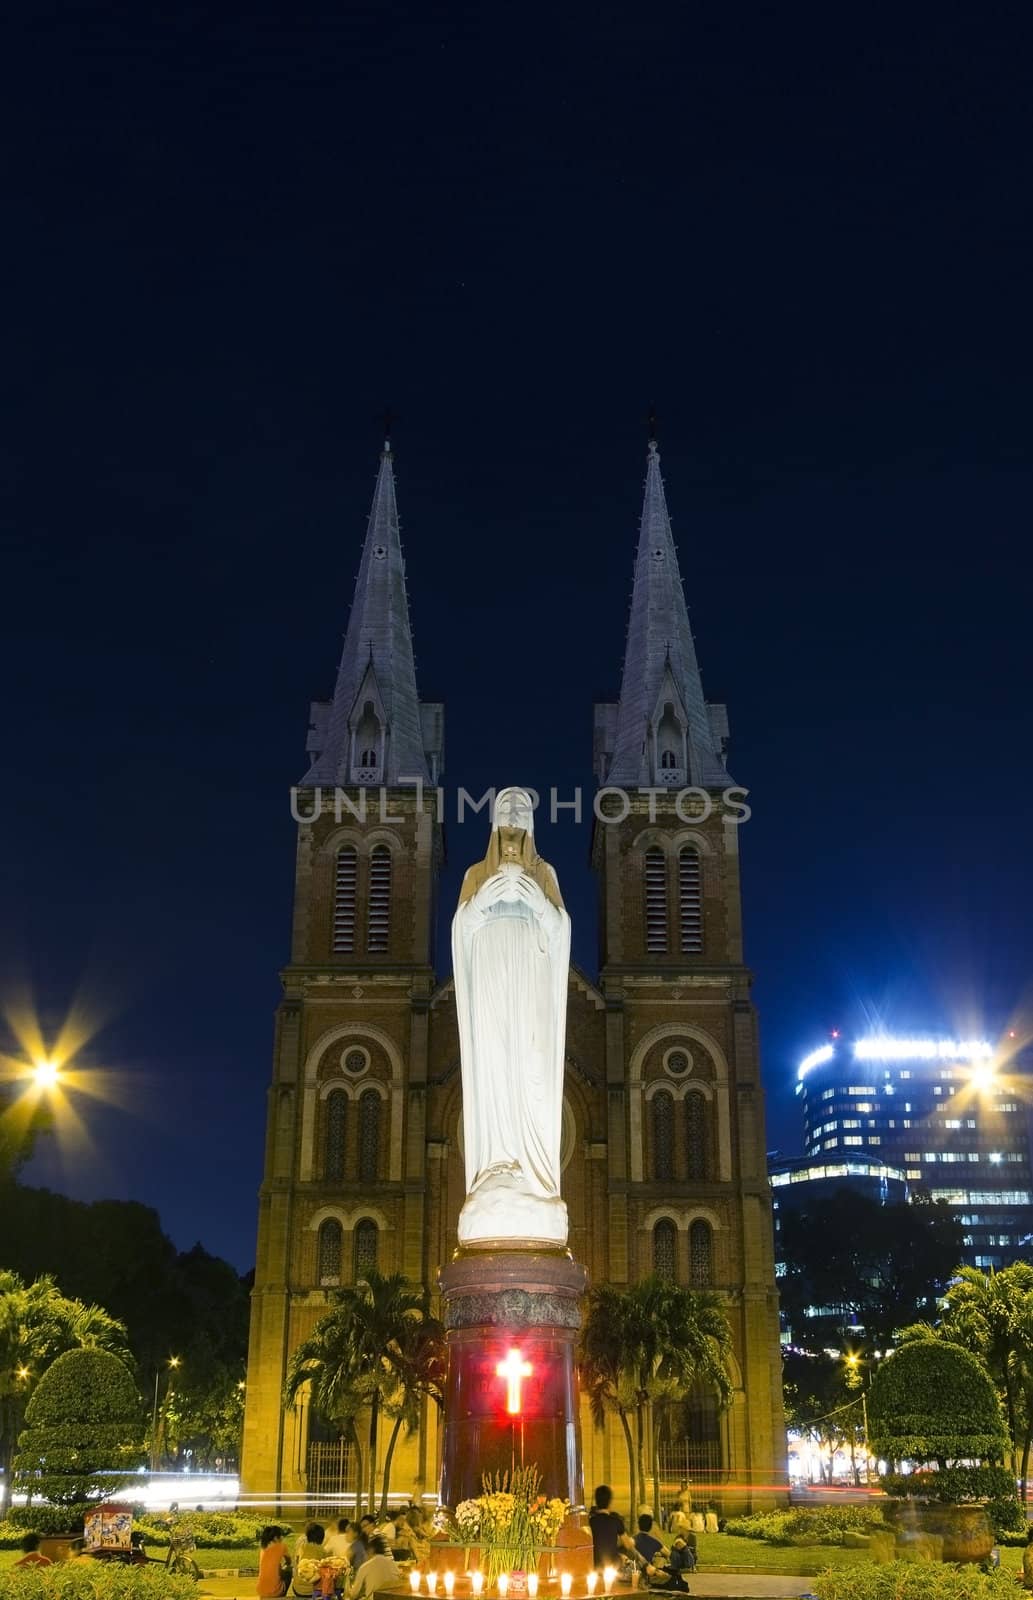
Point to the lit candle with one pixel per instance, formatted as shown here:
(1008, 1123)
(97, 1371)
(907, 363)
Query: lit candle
(590, 1581)
(532, 1586)
(609, 1578)
(415, 1579)
(503, 1585)
(477, 1583)
(566, 1583)
(450, 1583)
(432, 1583)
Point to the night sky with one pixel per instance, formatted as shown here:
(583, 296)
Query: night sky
(232, 236)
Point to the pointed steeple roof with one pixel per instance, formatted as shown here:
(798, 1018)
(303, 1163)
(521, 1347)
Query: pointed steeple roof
(660, 658)
(377, 667)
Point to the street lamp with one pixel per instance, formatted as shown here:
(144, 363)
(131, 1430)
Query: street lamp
(173, 1364)
(46, 1073)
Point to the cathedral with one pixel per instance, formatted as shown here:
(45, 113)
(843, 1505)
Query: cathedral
(663, 1145)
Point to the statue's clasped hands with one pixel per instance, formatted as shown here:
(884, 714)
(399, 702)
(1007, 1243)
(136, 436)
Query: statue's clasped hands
(511, 883)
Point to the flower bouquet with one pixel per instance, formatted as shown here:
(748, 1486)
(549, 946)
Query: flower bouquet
(326, 1574)
(511, 1521)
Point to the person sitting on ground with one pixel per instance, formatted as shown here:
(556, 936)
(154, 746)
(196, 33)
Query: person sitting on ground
(609, 1535)
(272, 1552)
(339, 1543)
(379, 1572)
(32, 1556)
(681, 1560)
(308, 1548)
(646, 1542)
(386, 1528)
(415, 1534)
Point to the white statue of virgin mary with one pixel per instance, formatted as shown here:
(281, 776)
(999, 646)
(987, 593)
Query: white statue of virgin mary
(511, 954)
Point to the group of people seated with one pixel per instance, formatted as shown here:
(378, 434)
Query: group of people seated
(371, 1547)
(664, 1563)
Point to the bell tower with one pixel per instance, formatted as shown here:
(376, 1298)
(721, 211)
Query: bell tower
(687, 1173)
(344, 1184)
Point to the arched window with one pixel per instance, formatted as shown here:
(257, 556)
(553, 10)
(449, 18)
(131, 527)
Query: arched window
(365, 1246)
(369, 1135)
(696, 1135)
(345, 878)
(663, 1136)
(668, 758)
(378, 930)
(665, 1244)
(690, 899)
(367, 758)
(329, 1251)
(336, 1122)
(656, 899)
(701, 1254)
(367, 739)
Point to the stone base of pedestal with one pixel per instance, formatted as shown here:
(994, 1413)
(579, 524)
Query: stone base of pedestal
(495, 1301)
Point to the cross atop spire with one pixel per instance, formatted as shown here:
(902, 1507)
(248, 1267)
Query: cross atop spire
(661, 729)
(372, 732)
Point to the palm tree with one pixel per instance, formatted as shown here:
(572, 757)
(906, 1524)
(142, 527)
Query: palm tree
(604, 1369)
(37, 1324)
(420, 1374)
(648, 1344)
(365, 1356)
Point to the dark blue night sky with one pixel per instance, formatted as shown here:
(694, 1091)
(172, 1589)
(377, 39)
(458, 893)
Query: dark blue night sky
(232, 235)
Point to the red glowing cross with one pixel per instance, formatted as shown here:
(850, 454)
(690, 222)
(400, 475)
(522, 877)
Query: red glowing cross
(513, 1369)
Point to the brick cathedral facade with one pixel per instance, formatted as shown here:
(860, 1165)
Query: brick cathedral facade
(663, 1119)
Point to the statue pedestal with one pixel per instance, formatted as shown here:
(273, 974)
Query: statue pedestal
(496, 1301)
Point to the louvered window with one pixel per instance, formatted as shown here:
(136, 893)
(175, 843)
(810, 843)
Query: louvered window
(701, 1255)
(663, 1136)
(369, 1135)
(696, 1135)
(329, 1251)
(665, 1241)
(366, 1242)
(336, 1124)
(379, 917)
(656, 899)
(345, 880)
(690, 899)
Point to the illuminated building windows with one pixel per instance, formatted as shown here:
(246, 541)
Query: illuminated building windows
(663, 1136)
(690, 899)
(345, 880)
(378, 919)
(328, 1252)
(696, 1136)
(336, 1123)
(701, 1254)
(665, 1241)
(365, 1246)
(369, 1135)
(656, 899)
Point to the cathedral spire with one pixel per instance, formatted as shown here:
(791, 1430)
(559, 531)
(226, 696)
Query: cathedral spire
(375, 731)
(661, 731)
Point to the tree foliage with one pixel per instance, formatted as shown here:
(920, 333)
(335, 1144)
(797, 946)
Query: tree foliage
(37, 1324)
(648, 1345)
(377, 1351)
(877, 1266)
(935, 1402)
(84, 1431)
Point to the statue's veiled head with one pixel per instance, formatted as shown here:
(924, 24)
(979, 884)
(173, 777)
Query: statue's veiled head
(514, 811)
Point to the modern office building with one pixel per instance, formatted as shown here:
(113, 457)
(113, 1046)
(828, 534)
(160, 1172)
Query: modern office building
(946, 1113)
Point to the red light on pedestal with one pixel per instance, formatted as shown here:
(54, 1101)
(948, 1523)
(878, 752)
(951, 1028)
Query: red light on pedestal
(514, 1369)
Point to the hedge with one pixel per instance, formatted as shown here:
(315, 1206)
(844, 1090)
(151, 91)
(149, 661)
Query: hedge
(927, 1580)
(96, 1580)
(808, 1526)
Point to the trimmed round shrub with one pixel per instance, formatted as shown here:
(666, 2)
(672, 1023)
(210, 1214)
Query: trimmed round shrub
(934, 1402)
(84, 1434)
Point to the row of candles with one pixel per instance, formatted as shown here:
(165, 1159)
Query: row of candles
(448, 1581)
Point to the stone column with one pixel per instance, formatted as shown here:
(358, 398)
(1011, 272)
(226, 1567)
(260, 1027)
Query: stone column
(495, 1301)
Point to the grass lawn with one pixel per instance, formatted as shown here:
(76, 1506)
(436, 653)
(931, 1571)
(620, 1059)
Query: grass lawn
(719, 1552)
